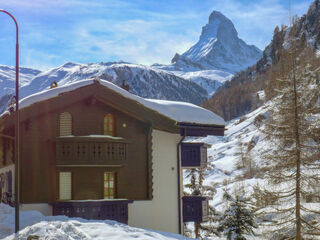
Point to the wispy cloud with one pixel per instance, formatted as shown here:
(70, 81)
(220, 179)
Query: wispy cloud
(134, 40)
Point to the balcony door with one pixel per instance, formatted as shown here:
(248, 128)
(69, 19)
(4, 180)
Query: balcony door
(65, 186)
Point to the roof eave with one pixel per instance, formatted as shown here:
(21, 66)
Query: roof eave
(200, 130)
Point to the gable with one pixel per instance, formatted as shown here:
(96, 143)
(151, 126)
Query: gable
(90, 94)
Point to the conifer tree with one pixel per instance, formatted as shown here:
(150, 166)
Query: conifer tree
(238, 218)
(293, 128)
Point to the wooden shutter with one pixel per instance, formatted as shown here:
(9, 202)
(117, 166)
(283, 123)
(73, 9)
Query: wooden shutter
(65, 185)
(65, 124)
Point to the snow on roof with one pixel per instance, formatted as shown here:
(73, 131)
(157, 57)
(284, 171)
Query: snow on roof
(181, 112)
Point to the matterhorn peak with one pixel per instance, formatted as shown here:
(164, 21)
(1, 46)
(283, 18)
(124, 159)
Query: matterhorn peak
(219, 47)
(219, 26)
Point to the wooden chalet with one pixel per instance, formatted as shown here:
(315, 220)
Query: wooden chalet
(93, 150)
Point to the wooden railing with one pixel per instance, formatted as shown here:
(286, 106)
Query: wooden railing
(99, 209)
(91, 150)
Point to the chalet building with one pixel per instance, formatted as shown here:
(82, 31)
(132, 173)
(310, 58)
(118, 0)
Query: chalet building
(93, 150)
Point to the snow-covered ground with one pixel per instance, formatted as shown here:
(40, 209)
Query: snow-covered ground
(224, 154)
(63, 228)
(210, 80)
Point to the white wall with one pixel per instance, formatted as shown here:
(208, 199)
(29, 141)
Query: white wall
(162, 212)
(44, 208)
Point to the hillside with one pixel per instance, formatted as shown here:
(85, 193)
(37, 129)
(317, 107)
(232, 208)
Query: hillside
(8, 77)
(239, 95)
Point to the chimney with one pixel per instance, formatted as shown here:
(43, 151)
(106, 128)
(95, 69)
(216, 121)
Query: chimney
(125, 86)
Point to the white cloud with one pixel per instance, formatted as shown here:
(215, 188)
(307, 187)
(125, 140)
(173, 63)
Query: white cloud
(124, 30)
(134, 41)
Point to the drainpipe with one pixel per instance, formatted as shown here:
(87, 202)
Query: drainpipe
(178, 168)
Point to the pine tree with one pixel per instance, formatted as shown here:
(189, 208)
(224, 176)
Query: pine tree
(238, 218)
(293, 128)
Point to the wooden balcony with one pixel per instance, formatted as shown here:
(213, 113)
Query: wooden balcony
(194, 155)
(94, 209)
(195, 209)
(91, 150)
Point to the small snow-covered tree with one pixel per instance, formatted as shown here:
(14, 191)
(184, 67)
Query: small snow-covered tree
(238, 218)
(244, 159)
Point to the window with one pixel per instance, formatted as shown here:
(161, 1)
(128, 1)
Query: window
(65, 185)
(9, 152)
(109, 185)
(65, 120)
(109, 125)
(1, 152)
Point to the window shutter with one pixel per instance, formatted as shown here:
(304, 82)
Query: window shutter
(65, 184)
(65, 124)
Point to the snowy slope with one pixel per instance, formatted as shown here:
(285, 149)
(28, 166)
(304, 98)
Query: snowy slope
(210, 80)
(224, 153)
(8, 78)
(61, 227)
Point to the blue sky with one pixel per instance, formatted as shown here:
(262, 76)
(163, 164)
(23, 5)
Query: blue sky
(53, 32)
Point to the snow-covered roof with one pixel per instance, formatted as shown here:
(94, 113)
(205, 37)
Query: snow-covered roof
(181, 112)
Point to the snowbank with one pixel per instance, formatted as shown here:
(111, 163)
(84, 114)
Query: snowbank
(61, 227)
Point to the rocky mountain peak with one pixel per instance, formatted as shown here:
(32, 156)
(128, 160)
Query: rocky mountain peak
(219, 26)
(219, 48)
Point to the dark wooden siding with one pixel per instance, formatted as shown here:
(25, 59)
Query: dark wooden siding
(39, 171)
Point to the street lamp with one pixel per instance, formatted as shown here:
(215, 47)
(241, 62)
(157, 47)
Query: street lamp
(17, 129)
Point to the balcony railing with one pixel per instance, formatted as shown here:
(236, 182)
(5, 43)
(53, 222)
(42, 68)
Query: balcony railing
(92, 150)
(94, 209)
(195, 209)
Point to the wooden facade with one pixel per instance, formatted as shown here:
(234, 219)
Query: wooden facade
(46, 155)
(126, 153)
(89, 143)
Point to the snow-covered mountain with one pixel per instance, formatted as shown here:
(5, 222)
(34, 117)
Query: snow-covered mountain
(304, 33)
(144, 81)
(7, 82)
(217, 55)
(219, 47)
(8, 77)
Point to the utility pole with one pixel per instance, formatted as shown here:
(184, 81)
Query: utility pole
(17, 131)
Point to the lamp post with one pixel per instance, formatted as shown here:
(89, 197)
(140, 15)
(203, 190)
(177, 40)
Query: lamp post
(17, 129)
